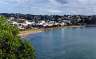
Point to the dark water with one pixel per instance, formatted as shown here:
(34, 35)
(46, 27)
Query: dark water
(65, 43)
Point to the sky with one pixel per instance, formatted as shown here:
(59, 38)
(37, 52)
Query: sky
(49, 7)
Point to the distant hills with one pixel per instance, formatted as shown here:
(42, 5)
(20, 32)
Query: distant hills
(81, 18)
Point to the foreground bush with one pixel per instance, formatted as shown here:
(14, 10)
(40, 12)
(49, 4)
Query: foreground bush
(11, 46)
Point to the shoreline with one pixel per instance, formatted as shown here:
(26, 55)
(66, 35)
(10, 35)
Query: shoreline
(27, 32)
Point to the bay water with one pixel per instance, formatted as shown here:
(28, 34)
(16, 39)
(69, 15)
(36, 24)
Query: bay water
(65, 43)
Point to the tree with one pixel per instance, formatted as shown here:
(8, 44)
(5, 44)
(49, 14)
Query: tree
(11, 45)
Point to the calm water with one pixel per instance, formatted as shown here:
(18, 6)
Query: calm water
(65, 43)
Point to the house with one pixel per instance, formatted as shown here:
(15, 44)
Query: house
(45, 25)
(28, 23)
(14, 23)
(67, 21)
(63, 23)
(51, 23)
(22, 24)
(11, 18)
(41, 22)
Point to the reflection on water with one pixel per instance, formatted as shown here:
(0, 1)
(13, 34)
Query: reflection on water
(65, 43)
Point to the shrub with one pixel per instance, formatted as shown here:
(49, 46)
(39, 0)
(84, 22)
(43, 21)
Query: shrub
(11, 45)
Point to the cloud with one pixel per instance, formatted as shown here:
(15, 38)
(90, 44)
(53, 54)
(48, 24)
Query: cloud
(61, 1)
(61, 7)
(85, 7)
(16, 1)
(54, 11)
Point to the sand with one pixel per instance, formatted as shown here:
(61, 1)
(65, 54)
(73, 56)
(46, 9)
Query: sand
(27, 32)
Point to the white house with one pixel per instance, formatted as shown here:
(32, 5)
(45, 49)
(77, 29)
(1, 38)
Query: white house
(14, 23)
(67, 21)
(63, 24)
(28, 23)
(45, 24)
(42, 22)
(11, 18)
(51, 23)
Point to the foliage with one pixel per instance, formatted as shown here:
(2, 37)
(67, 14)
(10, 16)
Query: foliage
(11, 45)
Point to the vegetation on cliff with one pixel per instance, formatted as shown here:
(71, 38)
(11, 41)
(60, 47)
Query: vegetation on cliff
(11, 45)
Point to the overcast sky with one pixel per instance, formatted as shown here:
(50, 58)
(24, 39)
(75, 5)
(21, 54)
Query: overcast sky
(57, 7)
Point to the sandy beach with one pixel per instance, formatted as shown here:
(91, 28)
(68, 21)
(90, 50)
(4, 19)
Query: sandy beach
(27, 32)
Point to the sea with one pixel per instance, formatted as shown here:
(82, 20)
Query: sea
(65, 43)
